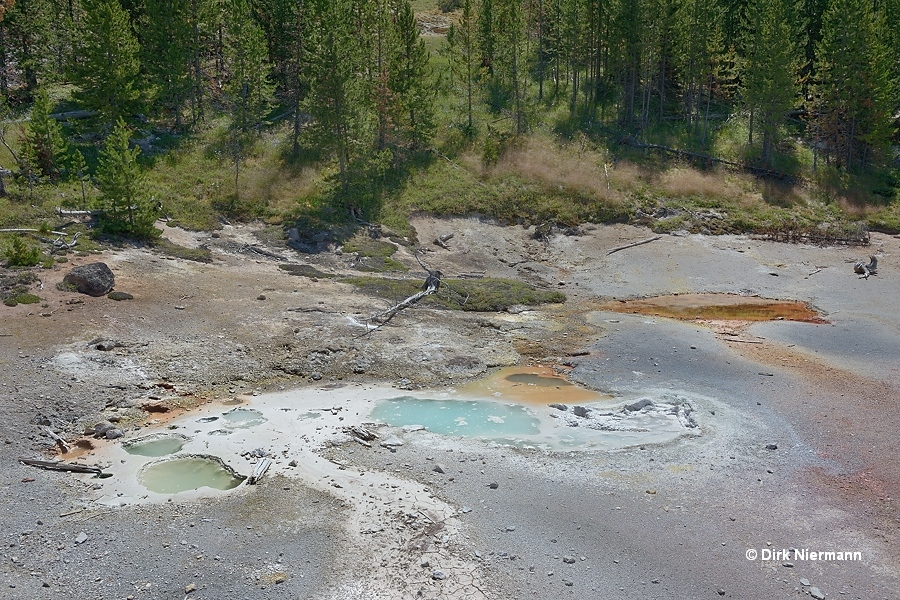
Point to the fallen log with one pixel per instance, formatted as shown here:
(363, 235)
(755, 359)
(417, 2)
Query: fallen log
(63, 445)
(633, 244)
(442, 240)
(55, 465)
(431, 286)
(259, 470)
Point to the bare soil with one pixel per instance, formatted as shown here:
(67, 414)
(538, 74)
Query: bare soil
(658, 521)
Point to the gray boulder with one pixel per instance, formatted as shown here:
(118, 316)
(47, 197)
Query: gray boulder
(94, 279)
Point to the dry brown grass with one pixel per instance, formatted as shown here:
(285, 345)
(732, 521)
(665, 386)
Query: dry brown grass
(562, 167)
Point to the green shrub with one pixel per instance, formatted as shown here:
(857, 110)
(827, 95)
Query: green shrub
(20, 254)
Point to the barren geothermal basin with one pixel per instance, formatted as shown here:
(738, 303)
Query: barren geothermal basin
(211, 451)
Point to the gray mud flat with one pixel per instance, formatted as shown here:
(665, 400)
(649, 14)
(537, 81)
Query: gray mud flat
(794, 444)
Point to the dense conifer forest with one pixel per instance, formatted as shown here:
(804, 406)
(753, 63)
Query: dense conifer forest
(352, 104)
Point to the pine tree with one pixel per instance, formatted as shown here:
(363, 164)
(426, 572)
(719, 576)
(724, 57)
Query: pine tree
(461, 55)
(44, 145)
(854, 95)
(248, 88)
(78, 168)
(409, 78)
(108, 68)
(699, 53)
(337, 98)
(168, 52)
(769, 68)
(119, 179)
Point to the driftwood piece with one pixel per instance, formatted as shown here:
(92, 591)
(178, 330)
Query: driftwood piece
(29, 230)
(442, 240)
(262, 252)
(431, 286)
(55, 465)
(259, 470)
(63, 445)
(865, 270)
(362, 433)
(633, 244)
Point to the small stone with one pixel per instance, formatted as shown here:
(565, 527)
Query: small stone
(561, 407)
(789, 565)
(119, 296)
(293, 463)
(438, 575)
(816, 593)
(81, 538)
(261, 297)
(465, 510)
(425, 563)
(391, 442)
(580, 411)
(113, 434)
(493, 485)
(438, 468)
(568, 583)
(804, 582)
(720, 591)
(569, 560)
(771, 446)
(190, 588)
(510, 527)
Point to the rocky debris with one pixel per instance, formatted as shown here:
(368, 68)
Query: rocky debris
(493, 485)
(771, 446)
(190, 588)
(107, 345)
(392, 443)
(438, 575)
(816, 593)
(580, 411)
(561, 407)
(639, 405)
(113, 434)
(94, 279)
(804, 582)
(81, 538)
(439, 468)
(100, 429)
(569, 560)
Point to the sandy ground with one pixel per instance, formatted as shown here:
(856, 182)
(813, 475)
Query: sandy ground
(673, 520)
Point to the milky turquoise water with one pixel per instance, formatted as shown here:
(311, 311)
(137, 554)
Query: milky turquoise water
(183, 474)
(459, 417)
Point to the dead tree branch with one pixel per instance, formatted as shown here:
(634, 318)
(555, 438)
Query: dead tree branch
(633, 244)
(431, 286)
(865, 270)
(53, 465)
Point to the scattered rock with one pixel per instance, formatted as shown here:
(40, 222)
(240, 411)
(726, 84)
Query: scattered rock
(816, 593)
(94, 279)
(580, 411)
(804, 582)
(720, 591)
(569, 560)
(392, 442)
(154, 407)
(106, 346)
(439, 468)
(438, 575)
(493, 485)
(640, 404)
(771, 446)
(190, 588)
(81, 538)
(100, 429)
(510, 527)
(561, 407)
(261, 297)
(114, 434)
(465, 510)
(293, 463)
(119, 296)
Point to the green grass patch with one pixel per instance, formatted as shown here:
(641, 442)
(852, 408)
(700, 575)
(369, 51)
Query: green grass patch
(304, 271)
(366, 246)
(172, 249)
(477, 295)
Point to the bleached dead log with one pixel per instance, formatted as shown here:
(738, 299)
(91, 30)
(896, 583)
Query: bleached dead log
(865, 270)
(61, 443)
(431, 286)
(63, 212)
(259, 470)
(442, 240)
(29, 230)
(633, 244)
(54, 465)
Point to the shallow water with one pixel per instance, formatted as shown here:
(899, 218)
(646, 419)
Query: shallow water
(728, 307)
(530, 385)
(183, 474)
(160, 446)
(243, 418)
(458, 417)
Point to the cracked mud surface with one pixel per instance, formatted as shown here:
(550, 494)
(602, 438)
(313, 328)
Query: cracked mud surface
(658, 521)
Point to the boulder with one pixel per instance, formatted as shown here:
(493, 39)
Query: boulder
(94, 279)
